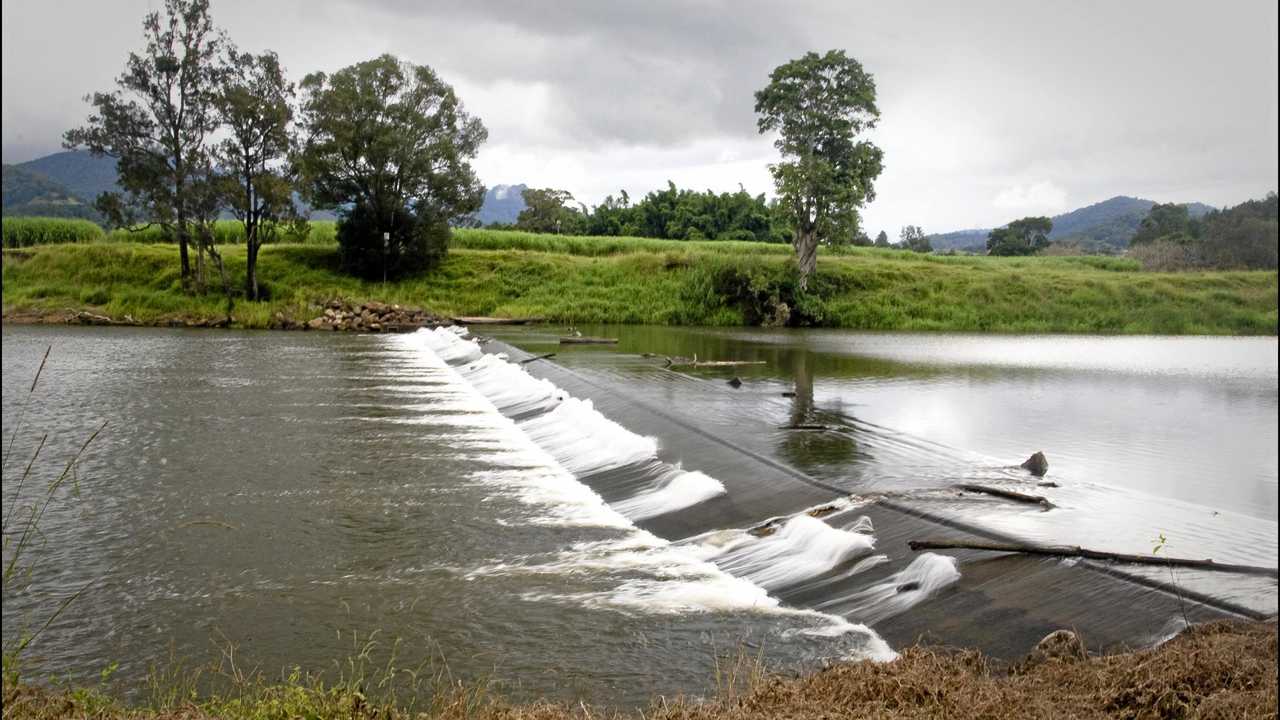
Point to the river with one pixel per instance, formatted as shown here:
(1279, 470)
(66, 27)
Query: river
(297, 494)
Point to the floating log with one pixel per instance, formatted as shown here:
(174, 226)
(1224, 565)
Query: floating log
(1076, 551)
(584, 340)
(493, 321)
(526, 361)
(715, 363)
(1007, 494)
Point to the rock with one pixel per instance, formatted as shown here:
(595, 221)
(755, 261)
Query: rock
(788, 394)
(1062, 645)
(316, 323)
(1037, 464)
(909, 586)
(220, 323)
(735, 382)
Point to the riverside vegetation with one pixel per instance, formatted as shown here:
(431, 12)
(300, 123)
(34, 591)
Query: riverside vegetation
(643, 280)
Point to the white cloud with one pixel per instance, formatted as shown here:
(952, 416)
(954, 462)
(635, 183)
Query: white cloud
(1041, 196)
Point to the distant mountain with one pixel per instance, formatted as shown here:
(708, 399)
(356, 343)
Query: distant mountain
(502, 204)
(30, 193)
(1108, 224)
(84, 175)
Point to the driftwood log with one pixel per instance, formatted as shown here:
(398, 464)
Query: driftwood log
(712, 363)
(494, 321)
(583, 340)
(526, 361)
(1006, 494)
(1076, 551)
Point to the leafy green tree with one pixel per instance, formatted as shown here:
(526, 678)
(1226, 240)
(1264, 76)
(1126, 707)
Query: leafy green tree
(819, 105)
(157, 123)
(912, 238)
(1027, 236)
(547, 210)
(882, 240)
(388, 144)
(1168, 221)
(254, 103)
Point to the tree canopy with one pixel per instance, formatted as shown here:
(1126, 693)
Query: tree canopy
(819, 105)
(1027, 236)
(912, 238)
(157, 123)
(388, 144)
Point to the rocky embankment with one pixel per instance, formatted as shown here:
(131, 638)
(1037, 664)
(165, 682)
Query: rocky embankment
(371, 316)
(333, 315)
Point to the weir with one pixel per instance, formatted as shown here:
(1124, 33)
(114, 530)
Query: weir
(804, 541)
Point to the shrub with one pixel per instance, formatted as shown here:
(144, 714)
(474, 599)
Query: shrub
(415, 243)
(28, 231)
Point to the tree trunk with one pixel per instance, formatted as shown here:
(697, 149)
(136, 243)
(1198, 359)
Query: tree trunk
(1074, 551)
(183, 253)
(251, 272)
(806, 245)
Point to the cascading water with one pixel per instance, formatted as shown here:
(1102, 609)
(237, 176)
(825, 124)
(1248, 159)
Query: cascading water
(729, 568)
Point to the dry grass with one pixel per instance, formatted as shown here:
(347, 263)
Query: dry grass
(1217, 670)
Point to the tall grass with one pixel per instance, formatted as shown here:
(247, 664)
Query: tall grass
(226, 232)
(28, 231)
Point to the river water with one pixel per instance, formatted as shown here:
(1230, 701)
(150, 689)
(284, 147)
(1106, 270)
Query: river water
(297, 493)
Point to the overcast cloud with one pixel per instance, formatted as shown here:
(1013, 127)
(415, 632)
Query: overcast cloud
(990, 111)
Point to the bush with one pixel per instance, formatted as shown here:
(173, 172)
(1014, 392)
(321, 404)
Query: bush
(415, 243)
(27, 231)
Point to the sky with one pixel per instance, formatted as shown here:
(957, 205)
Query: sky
(989, 110)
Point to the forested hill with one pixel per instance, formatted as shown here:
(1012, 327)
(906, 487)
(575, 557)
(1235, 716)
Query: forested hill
(1108, 224)
(27, 192)
(82, 174)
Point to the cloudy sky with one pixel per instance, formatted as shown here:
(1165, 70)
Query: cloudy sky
(990, 110)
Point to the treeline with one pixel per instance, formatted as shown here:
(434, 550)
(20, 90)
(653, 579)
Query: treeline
(681, 214)
(1243, 237)
(669, 214)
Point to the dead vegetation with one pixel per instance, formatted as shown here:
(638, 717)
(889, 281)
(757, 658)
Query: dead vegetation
(1216, 670)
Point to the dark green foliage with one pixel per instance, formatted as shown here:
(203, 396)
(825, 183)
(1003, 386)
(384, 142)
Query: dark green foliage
(1170, 222)
(1242, 237)
(882, 239)
(1027, 236)
(414, 244)
(819, 105)
(549, 211)
(388, 144)
(913, 238)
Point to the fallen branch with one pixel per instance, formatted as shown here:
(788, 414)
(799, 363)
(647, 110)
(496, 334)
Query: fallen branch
(574, 340)
(804, 427)
(1076, 551)
(715, 363)
(526, 361)
(1007, 494)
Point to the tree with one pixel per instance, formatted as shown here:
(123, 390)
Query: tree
(255, 105)
(1027, 236)
(1168, 221)
(156, 123)
(882, 240)
(818, 105)
(912, 238)
(387, 144)
(548, 211)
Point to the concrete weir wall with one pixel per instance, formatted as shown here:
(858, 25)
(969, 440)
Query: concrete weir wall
(805, 541)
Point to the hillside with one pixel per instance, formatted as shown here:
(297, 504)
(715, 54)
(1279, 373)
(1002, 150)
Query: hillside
(82, 174)
(27, 192)
(1105, 225)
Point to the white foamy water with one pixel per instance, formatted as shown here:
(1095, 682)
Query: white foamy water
(675, 490)
(801, 548)
(926, 575)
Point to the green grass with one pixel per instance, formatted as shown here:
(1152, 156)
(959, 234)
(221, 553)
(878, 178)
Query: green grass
(633, 280)
(28, 231)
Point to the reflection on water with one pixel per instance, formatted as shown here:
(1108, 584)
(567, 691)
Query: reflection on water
(284, 488)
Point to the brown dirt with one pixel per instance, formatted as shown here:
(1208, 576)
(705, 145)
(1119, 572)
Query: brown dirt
(1217, 670)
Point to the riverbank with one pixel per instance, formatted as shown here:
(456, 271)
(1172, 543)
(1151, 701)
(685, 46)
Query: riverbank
(586, 280)
(1216, 670)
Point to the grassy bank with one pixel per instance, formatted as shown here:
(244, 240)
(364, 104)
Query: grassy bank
(620, 280)
(1221, 670)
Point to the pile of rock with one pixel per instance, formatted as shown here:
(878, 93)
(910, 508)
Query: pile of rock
(372, 316)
